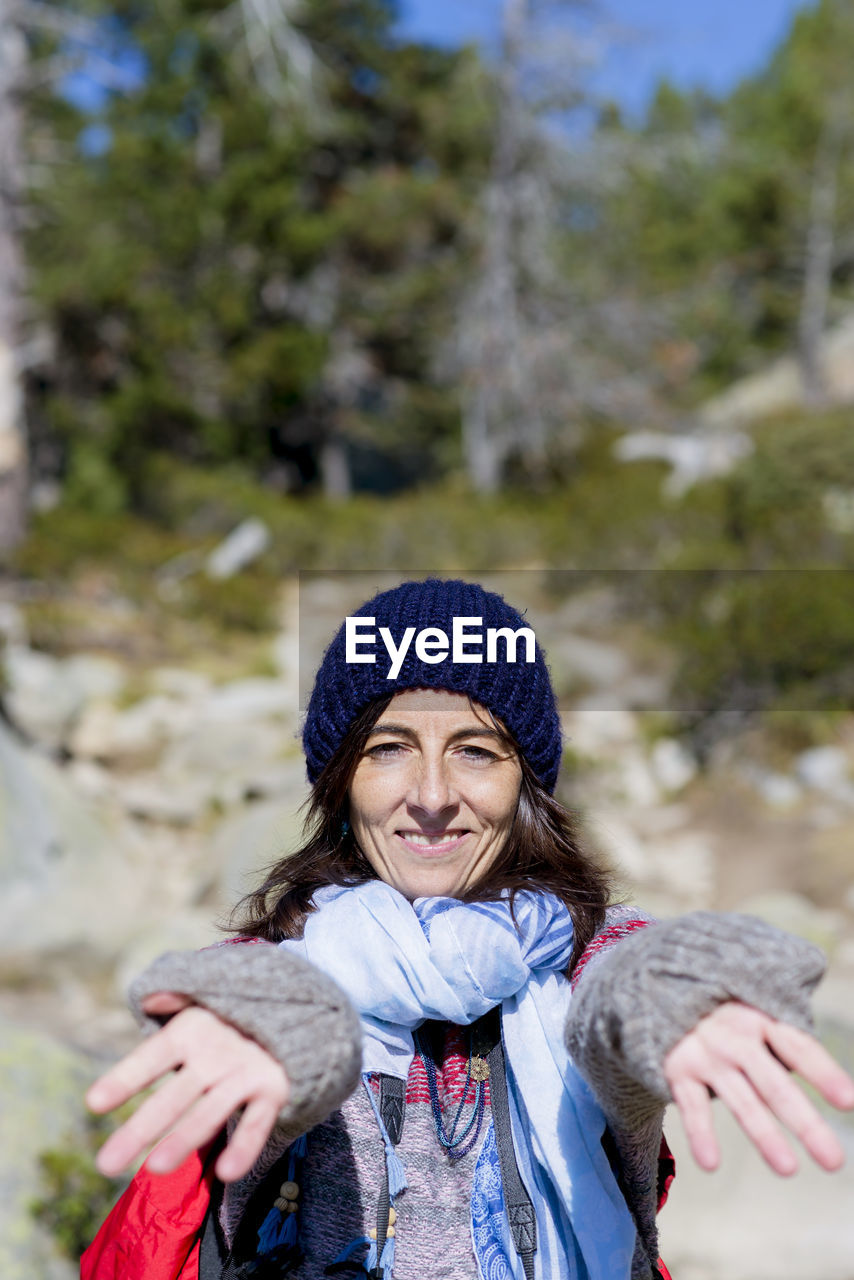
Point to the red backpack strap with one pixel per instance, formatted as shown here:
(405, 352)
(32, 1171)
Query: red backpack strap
(666, 1173)
(151, 1232)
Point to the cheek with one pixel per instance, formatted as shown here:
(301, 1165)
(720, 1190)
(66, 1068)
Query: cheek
(497, 805)
(370, 796)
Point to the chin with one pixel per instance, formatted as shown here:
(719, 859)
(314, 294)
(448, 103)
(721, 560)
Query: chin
(432, 890)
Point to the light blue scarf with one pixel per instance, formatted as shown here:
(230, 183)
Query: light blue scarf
(401, 963)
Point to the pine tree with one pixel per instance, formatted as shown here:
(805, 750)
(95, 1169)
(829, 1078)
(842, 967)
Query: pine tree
(241, 276)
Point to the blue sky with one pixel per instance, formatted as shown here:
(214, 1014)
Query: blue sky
(709, 43)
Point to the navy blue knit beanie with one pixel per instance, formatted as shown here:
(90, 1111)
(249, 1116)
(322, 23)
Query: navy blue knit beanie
(517, 692)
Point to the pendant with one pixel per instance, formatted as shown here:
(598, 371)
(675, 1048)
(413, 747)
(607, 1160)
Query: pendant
(479, 1068)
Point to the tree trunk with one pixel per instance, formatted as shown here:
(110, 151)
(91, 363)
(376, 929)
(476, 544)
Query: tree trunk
(13, 452)
(818, 267)
(501, 414)
(335, 470)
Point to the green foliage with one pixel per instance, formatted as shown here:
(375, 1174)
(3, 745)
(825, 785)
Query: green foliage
(783, 499)
(245, 603)
(75, 1197)
(706, 216)
(232, 281)
(759, 599)
(92, 483)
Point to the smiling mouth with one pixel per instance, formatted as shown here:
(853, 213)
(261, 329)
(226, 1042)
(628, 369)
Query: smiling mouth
(436, 841)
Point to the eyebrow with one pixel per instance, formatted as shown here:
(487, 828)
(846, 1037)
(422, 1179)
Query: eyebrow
(479, 731)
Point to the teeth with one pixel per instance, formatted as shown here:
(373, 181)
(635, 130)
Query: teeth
(420, 837)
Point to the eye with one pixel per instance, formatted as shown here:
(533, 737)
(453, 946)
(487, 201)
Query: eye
(478, 754)
(385, 750)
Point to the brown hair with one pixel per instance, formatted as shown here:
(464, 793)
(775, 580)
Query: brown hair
(541, 853)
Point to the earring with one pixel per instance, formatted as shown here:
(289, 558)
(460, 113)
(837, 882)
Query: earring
(345, 828)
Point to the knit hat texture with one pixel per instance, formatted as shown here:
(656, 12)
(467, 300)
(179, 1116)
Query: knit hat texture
(518, 693)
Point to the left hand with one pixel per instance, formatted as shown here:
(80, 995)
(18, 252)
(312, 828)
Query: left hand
(742, 1055)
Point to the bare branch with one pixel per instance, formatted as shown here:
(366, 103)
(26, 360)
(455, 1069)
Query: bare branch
(282, 58)
(32, 14)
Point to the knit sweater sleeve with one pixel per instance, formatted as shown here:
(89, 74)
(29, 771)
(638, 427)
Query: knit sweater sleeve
(641, 989)
(293, 1010)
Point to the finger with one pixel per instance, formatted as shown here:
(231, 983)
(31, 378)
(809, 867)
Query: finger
(806, 1055)
(162, 1052)
(736, 1092)
(695, 1108)
(205, 1120)
(153, 1118)
(248, 1140)
(138, 1069)
(160, 1002)
(787, 1101)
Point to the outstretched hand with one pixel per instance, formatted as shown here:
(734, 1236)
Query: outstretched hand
(741, 1056)
(217, 1070)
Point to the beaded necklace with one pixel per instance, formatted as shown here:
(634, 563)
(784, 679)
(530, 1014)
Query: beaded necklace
(456, 1144)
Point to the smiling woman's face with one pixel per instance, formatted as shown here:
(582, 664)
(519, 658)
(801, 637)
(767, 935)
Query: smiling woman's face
(434, 794)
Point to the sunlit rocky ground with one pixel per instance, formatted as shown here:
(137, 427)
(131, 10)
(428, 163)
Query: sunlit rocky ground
(138, 804)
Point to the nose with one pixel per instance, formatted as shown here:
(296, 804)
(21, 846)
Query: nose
(431, 791)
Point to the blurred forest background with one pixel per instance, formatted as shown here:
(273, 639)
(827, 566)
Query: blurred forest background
(286, 291)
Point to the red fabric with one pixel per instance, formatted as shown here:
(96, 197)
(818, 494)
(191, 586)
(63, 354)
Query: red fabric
(666, 1173)
(450, 1072)
(602, 941)
(152, 1232)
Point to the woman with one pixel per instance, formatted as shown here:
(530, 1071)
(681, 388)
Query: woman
(435, 914)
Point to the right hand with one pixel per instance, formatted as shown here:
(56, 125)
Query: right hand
(217, 1069)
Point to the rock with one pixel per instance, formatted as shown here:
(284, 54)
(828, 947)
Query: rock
(190, 931)
(90, 779)
(174, 800)
(252, 699)
(41, 1103)
(778, 790)
(177, 682)
(674, 766)
(578, 661)
(13, 624)
(45, 694)
(246, 842)
(144, 729)
(825, 769)
(621, 846)
(636, 779)
(599, 731)
(244, 544)
(780, 387)
(286, 653)
(693, 458)
(61, 862)
(39, 698)
(93, 736)
(239, 761)
(684, 864)
(594, 607)
(94, 676)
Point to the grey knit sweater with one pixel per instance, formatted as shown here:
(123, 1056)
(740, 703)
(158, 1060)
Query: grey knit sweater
(639, 990)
